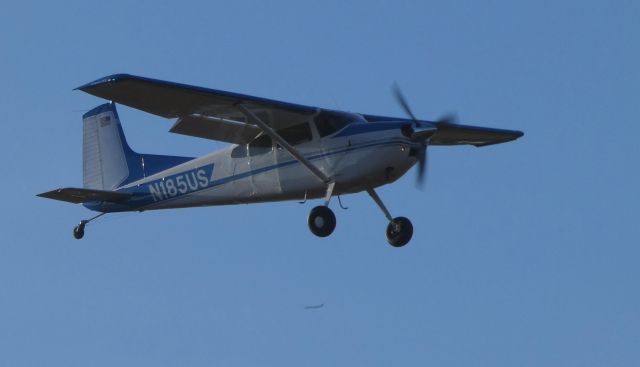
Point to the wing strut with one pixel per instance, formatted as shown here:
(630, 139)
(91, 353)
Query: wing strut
(275, 136)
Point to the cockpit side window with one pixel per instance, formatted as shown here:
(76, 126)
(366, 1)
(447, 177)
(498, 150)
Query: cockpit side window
(260, 145)
(296, 134)
(328, 122)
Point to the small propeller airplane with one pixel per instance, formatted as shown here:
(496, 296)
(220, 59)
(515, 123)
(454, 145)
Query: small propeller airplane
(280, 151)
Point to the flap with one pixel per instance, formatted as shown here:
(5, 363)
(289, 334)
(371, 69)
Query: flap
(215, 128)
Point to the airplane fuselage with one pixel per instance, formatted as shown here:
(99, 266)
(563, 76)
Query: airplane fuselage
(358, 157)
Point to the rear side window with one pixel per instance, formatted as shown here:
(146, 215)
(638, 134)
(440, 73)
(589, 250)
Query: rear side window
(296, 134)
(260, 145)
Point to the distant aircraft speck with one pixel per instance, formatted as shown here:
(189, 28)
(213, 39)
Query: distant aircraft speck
(313, 307)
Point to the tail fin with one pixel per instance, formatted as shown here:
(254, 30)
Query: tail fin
(108, 161)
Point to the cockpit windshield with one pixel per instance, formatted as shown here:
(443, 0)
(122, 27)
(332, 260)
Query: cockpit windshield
(328, 122)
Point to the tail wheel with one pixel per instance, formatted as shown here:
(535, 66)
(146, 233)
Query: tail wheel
(399, 231)
(322, 221)
(78, 231)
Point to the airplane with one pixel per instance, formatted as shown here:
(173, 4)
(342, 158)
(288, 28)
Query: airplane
(279, 151)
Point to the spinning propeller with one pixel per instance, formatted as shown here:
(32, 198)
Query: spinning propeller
(421, 137)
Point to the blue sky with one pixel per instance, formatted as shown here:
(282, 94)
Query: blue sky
(523, 254)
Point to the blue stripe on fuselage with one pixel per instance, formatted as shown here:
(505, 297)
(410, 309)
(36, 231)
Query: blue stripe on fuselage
(161, 189)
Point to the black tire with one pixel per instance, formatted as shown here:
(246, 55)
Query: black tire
(78, 232)
(399, 231)
(321, 221)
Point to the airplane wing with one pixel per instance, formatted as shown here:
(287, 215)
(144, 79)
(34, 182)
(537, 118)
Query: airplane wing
(456, 134)
(201, 112)
(215, 114)
(77, 196)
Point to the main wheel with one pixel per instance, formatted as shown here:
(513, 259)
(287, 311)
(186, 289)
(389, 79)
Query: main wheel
(322, 221)
(78, 232)
(399, 231)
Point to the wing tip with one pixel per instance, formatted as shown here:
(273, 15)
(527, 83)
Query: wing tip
(104, 80)
(47, 193)
(510, 135)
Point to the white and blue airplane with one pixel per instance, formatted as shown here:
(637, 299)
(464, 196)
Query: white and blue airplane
(280, 151)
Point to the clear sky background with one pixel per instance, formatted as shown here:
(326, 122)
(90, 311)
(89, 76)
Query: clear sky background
(524, 254)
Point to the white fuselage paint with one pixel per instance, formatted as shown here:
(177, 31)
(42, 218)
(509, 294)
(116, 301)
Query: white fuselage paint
(354, 162)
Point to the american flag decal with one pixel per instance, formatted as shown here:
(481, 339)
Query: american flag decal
(105, 121)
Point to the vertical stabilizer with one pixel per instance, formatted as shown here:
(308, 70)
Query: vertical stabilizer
(104, 149)
(107, 160)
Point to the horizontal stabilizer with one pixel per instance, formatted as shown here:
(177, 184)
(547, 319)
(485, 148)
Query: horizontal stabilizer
(77, 196)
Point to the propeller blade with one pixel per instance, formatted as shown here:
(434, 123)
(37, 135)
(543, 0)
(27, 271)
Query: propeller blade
(450, 118)
(421, 171)
(402, 101)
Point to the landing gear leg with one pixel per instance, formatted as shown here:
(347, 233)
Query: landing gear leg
(399, 230)
(321, 220)
(78, 231)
